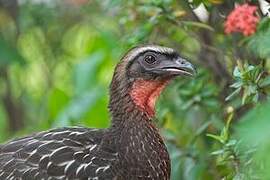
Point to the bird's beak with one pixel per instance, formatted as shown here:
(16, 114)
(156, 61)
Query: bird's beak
(178, 66)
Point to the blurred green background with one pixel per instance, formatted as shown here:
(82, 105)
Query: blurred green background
(57, 58)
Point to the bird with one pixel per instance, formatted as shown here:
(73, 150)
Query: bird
(130, 148)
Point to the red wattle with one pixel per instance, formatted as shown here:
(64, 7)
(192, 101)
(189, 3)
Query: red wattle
(144, 94)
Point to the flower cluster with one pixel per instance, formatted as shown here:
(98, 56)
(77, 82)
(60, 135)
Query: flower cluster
(242, 19)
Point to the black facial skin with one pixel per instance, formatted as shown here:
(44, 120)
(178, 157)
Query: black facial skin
(152, 65)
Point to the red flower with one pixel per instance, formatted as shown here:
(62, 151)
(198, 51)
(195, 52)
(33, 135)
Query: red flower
(242, 19)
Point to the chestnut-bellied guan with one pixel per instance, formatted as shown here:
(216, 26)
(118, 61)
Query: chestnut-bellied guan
(130, 149)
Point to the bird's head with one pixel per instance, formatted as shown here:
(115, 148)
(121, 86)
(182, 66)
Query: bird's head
(144, 71)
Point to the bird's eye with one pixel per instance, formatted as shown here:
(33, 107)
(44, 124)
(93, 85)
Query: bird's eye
(150, 59)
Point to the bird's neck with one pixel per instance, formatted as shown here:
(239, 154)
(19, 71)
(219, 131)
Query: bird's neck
(134, 99)
(136, 136)
(122, 107)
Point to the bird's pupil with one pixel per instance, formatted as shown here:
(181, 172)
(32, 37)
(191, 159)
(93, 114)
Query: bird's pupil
(150, 59)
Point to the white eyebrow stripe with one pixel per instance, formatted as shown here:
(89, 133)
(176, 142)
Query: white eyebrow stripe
(159, 49)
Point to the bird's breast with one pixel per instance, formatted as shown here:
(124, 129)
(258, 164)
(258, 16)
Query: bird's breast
(144, 153)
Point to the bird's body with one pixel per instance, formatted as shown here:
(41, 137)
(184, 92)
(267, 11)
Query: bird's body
(130, 149)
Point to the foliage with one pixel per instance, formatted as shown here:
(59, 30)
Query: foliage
(253, 132)
(259, 43)
(250, 80)
(57, 59)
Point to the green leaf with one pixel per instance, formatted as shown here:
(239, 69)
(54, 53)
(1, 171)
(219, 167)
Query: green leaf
(260, 42)
(237, 72)
(264, 24)
(176, 161)
(9, 54)
(253, 130)
(255, 125)
(198, 24)
(3, 123)
(233, 94)
(265, 82)
(216, 137)
(218, 152)
(250, 68)
(86, 71)
(232, 142)
(78, 107)
(224, 134)
(237, 84)
(56, 102)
